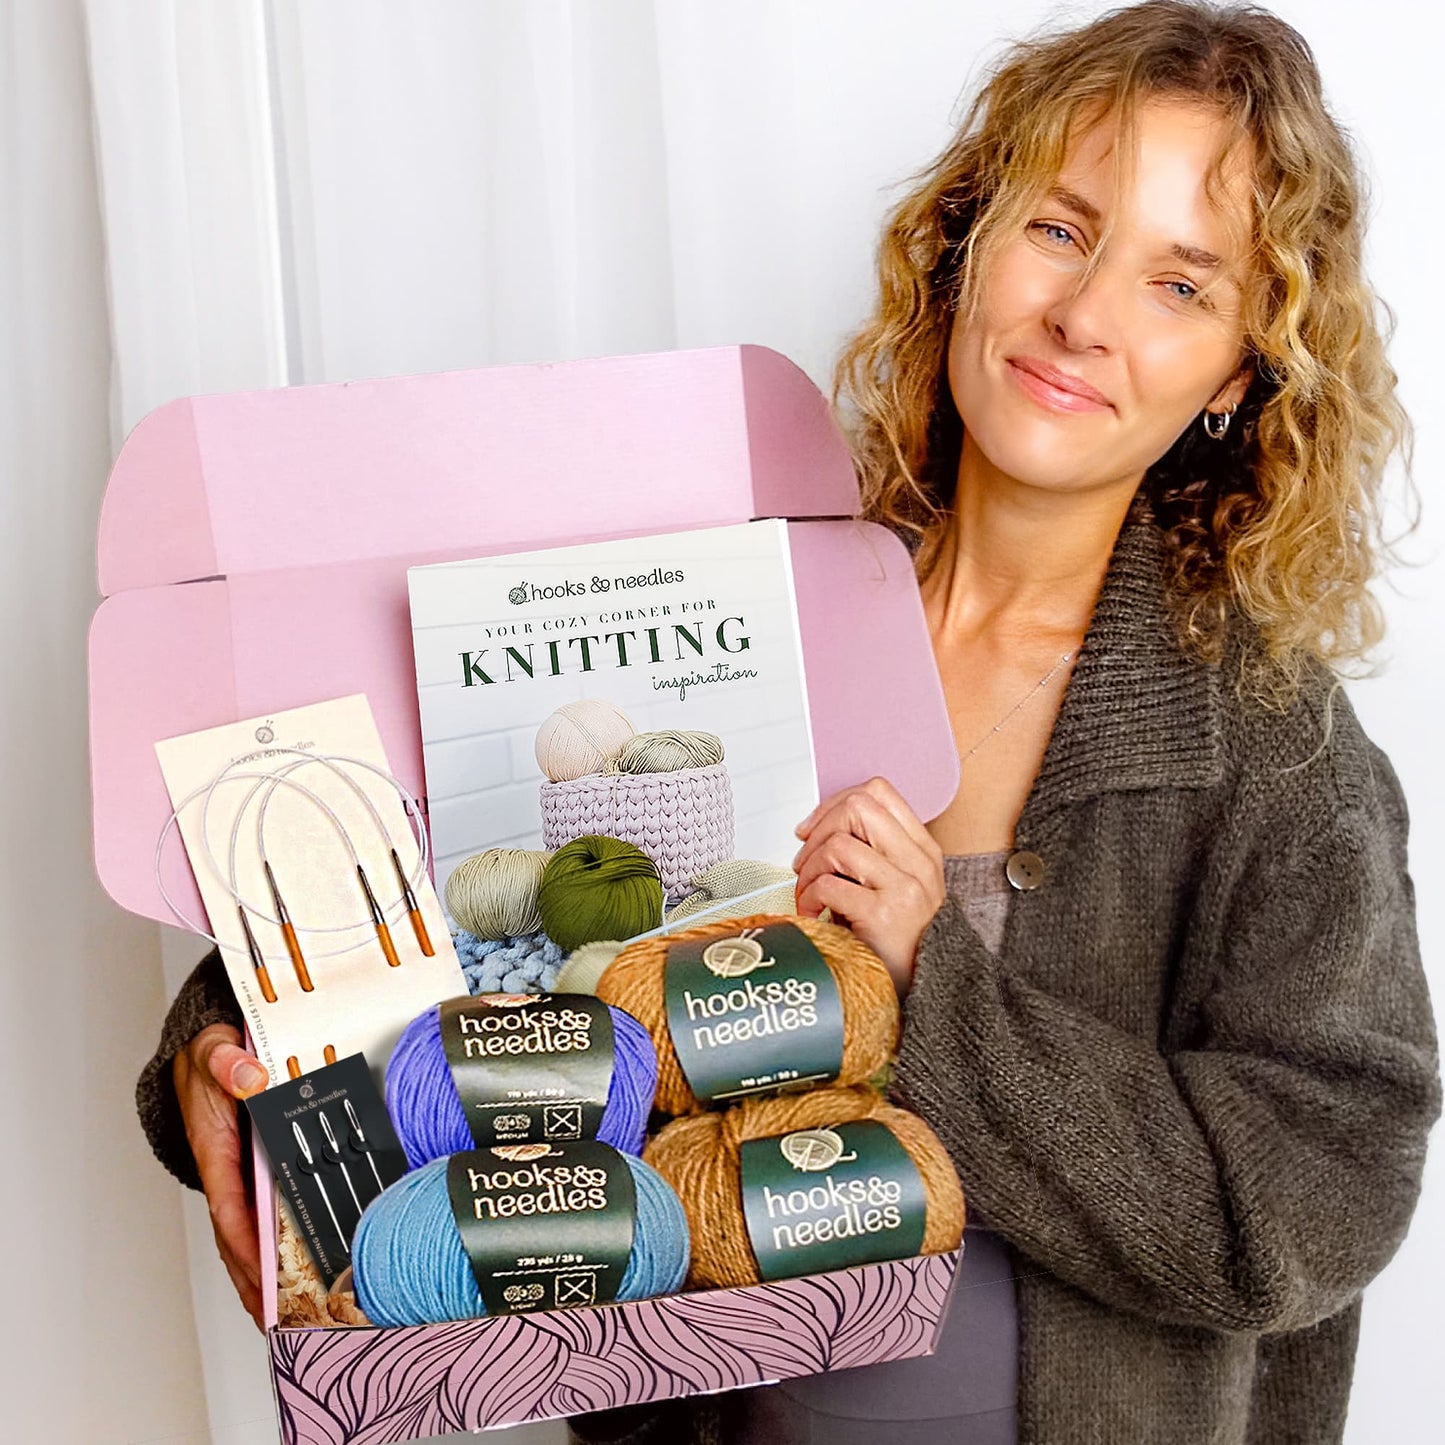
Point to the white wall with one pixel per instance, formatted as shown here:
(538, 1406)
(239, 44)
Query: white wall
(296, 190)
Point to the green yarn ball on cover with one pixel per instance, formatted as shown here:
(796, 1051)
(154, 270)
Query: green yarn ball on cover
(598, 887)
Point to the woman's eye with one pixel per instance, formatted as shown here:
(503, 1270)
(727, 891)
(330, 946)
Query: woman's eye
(1059, 235)
(1182, 290)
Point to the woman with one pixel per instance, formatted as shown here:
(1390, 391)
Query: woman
(1125, 396)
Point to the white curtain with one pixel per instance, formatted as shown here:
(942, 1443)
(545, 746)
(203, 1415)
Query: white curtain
(287, 191)
(99, 1343)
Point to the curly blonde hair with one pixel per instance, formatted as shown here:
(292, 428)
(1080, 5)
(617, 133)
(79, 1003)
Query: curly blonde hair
(1282, 520)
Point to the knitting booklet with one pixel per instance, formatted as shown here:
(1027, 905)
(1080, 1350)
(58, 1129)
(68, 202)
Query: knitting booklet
(693, 631)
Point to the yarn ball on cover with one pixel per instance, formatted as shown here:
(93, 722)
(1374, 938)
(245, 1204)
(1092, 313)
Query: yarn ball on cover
(581, 737)
(597, 887)
(526, 964)
(584, 966)
(409, 1266)
(430, 1121)
(684, 821)
(493, 894)
(713, 888)
(667, 751)
(634, 982)
(701, 1158)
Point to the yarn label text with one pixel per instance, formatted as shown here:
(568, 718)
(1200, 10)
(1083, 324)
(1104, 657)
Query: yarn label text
(831, 1198)
(544, 1226)
(753, 1013)
(529, 1068)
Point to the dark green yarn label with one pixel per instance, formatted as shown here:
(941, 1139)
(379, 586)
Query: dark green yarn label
(529, 1068)
(755, 1012)
(545, 1226)
(831, 1198)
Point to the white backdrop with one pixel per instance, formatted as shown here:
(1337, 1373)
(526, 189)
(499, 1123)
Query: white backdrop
(311, 190)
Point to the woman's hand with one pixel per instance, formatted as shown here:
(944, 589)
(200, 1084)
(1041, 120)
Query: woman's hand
(211, 1073)
(868, 859)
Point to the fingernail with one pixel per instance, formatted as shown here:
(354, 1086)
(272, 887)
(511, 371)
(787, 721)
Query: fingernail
(796, 856)
(248, 1079)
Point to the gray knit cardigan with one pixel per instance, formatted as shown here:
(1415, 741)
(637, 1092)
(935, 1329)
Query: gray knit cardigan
(1194, 1087)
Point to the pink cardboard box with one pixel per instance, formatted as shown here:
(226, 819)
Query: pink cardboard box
(252, 555)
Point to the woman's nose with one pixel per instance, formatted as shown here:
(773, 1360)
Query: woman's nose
(1087, 312)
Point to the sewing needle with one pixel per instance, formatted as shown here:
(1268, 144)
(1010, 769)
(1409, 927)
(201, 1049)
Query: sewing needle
(325, 1197)
(336, 1149)
(361, 1140)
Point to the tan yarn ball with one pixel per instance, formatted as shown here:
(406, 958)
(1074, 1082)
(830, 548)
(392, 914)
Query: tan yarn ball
(668, 751)
(585, 966)
(634, 982)
(700, 1157)
(493, 895)
(581, 737)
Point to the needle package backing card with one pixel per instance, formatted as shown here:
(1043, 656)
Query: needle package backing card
(529, 1067)
(545, 1226)
(825, 1199)
(753, 1013)
(307, 794)
(332, 1150)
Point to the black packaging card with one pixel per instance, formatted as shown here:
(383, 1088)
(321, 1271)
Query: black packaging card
(332, 1150)
(755, 1012)
(824, 1199)
(529, 1068)
(545, 1226)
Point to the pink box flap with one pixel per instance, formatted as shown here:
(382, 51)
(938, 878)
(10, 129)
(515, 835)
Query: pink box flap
(291, 516)
(318, 475)
(175, 659)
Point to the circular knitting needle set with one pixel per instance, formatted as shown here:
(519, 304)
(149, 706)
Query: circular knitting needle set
(247, 843)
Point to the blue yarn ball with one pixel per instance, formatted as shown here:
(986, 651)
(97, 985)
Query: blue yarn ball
(409, 1266)
(524, 963)
(421, 1096)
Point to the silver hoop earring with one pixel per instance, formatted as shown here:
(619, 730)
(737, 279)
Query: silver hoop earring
(1216, 423)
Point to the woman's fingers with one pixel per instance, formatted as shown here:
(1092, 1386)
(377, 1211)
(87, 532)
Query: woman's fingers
(855, 808)
(236, 1071)
(848, 857)
(209, 1073)
(861, 813)
(890, 923)
(868, 859)
(887, 892)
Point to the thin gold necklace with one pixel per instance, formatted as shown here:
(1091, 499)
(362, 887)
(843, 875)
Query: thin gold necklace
(1037, 688)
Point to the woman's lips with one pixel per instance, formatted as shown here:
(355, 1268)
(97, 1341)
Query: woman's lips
(1055, 389)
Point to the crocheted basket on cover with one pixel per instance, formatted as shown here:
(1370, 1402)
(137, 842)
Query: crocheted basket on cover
(682, 820)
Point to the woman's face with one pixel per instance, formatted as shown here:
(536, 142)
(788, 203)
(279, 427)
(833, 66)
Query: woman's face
(1070, 381)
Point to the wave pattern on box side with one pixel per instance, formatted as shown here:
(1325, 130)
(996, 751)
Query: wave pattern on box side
(379, 1387)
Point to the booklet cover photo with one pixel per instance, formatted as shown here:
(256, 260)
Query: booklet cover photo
(650, 689)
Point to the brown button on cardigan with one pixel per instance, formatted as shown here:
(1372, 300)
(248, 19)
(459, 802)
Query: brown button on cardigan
(1194, 1088)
